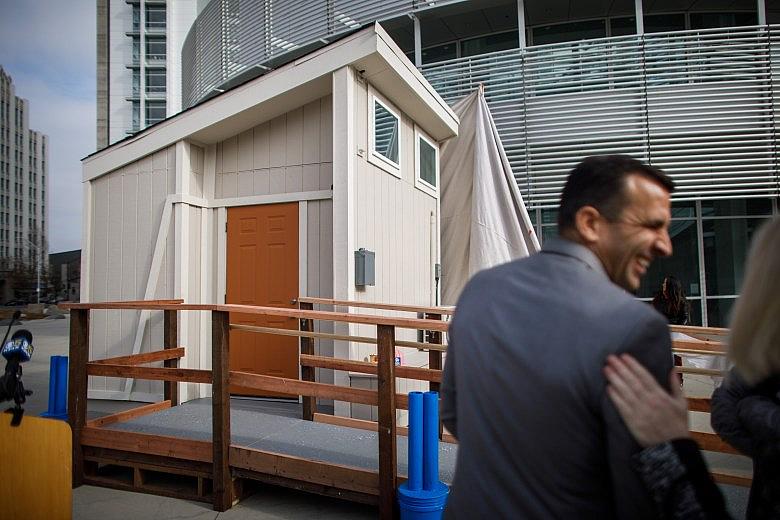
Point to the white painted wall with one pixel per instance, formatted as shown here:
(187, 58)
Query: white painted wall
(385, 214)
(126, 209)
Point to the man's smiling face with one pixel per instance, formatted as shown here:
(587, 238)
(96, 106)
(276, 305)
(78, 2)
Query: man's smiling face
(627, 245)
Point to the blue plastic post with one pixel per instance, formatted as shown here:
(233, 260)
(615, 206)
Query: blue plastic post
(58, 388)
(415, 472)
(430, 440)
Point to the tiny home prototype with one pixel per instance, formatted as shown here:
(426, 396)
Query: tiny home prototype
(265, 193)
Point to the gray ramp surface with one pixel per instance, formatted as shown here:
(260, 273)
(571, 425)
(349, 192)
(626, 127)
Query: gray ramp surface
(277, 428)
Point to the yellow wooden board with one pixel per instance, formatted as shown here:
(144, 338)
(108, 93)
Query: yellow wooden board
(35, 468)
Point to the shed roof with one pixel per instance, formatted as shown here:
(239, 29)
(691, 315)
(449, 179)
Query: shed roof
(371, 51)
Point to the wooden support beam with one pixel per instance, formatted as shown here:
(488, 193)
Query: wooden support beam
(77, 386)
(364, 367)
(186, 375)
(126, 415)
(289, 466)
(388, 470)
(709, 346)
(385, 306)
(295, 387)
(700, 371)
(711, 442)
(141, 359)
(435, 362)
(725, 477)
(308, 373)
(220, 410)
(362, 424)
(162, 445)
(170, 342)
(698, 404)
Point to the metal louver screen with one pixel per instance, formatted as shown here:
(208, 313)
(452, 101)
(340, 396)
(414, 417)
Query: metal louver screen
(232, 36)
(698, 104)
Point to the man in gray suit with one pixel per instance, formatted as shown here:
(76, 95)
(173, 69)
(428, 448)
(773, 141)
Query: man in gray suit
(523, 388)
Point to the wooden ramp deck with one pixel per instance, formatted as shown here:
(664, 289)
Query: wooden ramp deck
(271, 431)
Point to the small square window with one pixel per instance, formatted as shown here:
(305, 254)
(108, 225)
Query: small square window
(426, 162)
(384, 138)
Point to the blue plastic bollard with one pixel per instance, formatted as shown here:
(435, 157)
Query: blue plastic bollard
(427, 503)
(58, 388)
(415, 473)
(430, 440)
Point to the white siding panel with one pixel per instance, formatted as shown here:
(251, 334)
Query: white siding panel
(294, 146)
(246, 151)
(311, 132)
(262, 182)
(262, 151)
(230, 155)
(293, 177)
(246, 183)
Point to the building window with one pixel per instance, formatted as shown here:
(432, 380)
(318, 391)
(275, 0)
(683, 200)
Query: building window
(136, 116)
(448, 51)
(136, 83)
(489, 43)
(136, 18)
(155, 112)
(426, 162)
(136, 49)
(155, 49)
(567, 32)
(715, 20)
(622, 26)
(155, 17)
(155, 81)
(664, 22)
(384, 125)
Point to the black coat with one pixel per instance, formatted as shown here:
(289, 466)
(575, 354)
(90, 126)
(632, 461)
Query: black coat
(748, 418)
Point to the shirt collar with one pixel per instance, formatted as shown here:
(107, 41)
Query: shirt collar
(562, 246)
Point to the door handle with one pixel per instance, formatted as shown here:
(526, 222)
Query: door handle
(293, 301)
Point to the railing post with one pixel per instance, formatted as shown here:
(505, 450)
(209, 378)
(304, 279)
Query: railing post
(309, 407)
(434, 359)
(77, 386)
(387, 436)
(171, 340)
(220, 410)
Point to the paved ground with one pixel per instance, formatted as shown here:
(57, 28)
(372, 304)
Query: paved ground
(50, 338)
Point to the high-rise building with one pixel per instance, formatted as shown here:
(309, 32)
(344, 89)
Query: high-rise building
(139, 46)
(24, 209)
(688, 86)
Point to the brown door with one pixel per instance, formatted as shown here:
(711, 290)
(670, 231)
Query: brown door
(262, 269)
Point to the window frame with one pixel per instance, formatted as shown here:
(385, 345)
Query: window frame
(420, 183)
(374, 157)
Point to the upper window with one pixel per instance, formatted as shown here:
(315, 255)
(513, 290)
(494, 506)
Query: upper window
(155, 111)
(489, 43)
(156, 49)
(385, 127)
(426, 153)
(155, 17)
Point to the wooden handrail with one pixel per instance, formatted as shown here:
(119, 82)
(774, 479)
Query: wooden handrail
(364, 367)
(444, 311)
(338, 337)
(366, 319)
(182, 375)
(140, 359)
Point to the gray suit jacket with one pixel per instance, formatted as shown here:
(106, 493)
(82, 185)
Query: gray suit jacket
(524, 391)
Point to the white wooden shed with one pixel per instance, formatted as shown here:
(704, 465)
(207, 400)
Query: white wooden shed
(264, 193)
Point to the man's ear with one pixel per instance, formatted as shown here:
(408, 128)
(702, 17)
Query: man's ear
(588, 222)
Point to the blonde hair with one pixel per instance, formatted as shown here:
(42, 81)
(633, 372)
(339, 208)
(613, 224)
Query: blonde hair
(754, 343)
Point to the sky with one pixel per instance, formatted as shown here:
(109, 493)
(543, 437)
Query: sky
(48, 48)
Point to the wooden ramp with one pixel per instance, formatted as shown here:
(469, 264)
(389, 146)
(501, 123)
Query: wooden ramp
(269, 443)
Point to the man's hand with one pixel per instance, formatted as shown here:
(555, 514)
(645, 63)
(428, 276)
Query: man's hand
(651, 414)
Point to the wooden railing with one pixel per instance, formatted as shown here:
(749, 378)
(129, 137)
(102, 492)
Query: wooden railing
(227, 461)
(221, 454)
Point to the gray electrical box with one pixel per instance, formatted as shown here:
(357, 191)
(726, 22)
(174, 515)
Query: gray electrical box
(364, 267)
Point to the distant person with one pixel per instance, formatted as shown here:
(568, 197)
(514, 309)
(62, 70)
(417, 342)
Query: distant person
(745, 409)
(671, 302)
(523, 390)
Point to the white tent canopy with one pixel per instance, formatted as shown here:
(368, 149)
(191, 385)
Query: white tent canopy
(483, 218)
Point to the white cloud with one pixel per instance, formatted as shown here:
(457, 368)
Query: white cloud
(48, 47)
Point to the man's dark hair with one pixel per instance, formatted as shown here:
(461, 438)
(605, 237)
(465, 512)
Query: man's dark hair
(599, 181)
